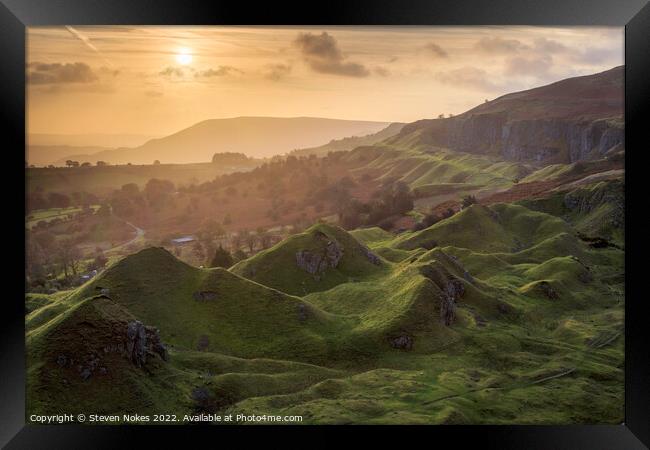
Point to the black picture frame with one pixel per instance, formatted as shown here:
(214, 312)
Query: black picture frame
(16, 15)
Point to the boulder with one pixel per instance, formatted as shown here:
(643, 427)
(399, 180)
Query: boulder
(302, 312)
(374, 259)
(402, 342)
(548, 290)
(136, 343)
(453, 290)
(316, 263)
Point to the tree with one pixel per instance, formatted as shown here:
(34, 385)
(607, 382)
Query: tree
(58, 200)
(467, 201)
(104, 210)
(156, 163)
(101, 163)
(68, 256)
(198, 251)
(235, 242)
(239, 256)
(85, 164)
(99, 262)
(131, 190)
(71, 163)
(221, 258)
(157, 191)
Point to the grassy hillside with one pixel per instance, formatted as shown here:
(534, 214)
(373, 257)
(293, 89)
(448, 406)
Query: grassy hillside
(103, 179)
(277, 267)
(508, 308)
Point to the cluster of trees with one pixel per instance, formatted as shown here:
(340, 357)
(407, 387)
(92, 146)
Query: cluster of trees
(229, 158)
(434, 217)
(129, 200)
(56, 263)
(392, 199)
(39, 199)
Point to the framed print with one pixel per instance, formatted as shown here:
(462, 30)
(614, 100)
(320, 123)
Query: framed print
(408, 218)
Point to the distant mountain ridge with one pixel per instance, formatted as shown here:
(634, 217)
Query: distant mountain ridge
(578, 118)
(253, 136)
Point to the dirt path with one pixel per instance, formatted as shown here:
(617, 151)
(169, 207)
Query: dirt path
(139, 234)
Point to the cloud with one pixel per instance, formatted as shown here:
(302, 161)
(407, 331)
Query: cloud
(276, 72)
(467, 78)
(436, 50)
(382, 71)
(322, 54)
(536, 66)
(549, 46)
(56, 73)
(218, 72)
(172, 71)
(153, 93)
(594, 55)
(495, 45)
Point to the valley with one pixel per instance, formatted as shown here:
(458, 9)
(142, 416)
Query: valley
(460, 270)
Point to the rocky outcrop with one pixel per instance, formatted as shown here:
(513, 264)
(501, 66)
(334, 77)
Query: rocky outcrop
(584, 201)
(402, 342)
(548, 290)
(302, 312)
(374, 259)
(575, 119)
(316, 263)
(450, 294)
(534, 140)
(142, 341)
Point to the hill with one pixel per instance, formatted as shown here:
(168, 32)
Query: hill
(508, 304)
(318, 259)
(253, 136)
(351, 142)
(570, 120)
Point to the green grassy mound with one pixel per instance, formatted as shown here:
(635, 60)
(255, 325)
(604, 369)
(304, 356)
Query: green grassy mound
(594, 210)
(77, 341)
(277, 267)
(498, 228)
(533, 333)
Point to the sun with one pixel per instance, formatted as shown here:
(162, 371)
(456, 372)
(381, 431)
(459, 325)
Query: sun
(184, 57)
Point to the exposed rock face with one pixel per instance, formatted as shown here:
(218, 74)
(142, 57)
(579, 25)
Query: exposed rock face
(552, 141)
(136, 343)
(585, 201)
(141, 341)
(371, 256)
(317, 263)
(450, 294)
(548, 290)
(571, 120)
(402, 342)
(302, 312)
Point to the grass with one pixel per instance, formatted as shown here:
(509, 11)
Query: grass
(47, 215)
(276, 340)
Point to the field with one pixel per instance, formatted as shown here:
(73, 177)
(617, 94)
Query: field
(516, 321)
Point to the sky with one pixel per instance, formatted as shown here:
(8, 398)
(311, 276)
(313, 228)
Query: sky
(158, 80)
